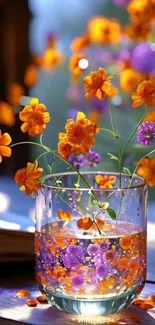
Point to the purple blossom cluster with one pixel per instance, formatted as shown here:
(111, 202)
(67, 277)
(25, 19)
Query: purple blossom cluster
(92, 159)
(146, 133)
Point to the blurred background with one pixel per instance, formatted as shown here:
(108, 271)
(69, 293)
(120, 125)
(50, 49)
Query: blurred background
(40, 56)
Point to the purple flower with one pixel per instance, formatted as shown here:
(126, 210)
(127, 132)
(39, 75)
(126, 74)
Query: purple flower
(76, 251)
(104, 246)
(70, 261)
(77, 281)
(102, 271)
(78, 161)
(143, 58)
(146, 133)
(93, 158)
(93, 249)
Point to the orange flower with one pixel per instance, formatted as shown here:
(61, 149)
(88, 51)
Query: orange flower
(140, 10)
(107, 284)
(34, 117)
(28, 178)
(125, 242)
(51, 59)
(79, 43)
(65, 215)
(85, 223)
(150, 116)
(145, 94)
(105, 181)
(102, 30)
(5, 140)
(98, 84)
(6, 114)
(129, 80)
(15, 91)
(74, 68)
(146, 170)
(79, 136)
(123, 263)
(31, 76)
(113, 91)
(138, 31)
(134, 267)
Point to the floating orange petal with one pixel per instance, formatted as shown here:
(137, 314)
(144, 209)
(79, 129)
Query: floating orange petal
(85, 223)
(65, 215)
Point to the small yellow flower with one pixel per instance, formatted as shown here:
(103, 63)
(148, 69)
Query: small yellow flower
(74, 67)
(138, 31)
(28, 178)
(102, 30)
(52, 58)
(139, 10)
(129, 80)
(34, 117)
(105, 181)
(98, 84)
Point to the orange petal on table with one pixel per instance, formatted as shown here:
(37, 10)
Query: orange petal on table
(85, 223)
(65, 215)
(5, 151)
(42, 300)
(32, 302)
(138, 302)
(23, 293)
(146, 306)
(100, 223)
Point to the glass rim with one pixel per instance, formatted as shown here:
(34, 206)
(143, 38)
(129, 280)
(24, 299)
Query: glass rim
(141, 185)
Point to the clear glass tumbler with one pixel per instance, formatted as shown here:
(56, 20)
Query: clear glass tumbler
(88, 262)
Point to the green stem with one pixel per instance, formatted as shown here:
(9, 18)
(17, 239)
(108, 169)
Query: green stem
(148, 154)
(43, 154)
(109, 131)
(127, 142)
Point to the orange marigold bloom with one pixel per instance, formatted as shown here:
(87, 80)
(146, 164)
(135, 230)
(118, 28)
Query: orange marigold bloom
(125, 242)
(113, 91)
(140, 10)
(123, 263)
(146, 170)
(145, 94)
(102, 30)
(31, 76)
(129, 80)
(51, 59)
(79, 43)
(138, 31)
(6, 114)
(74, 67)
(5, 140)
(98, 84)
(79, 136)
(15, 91)
(65, 215)
(28, 178)
(134, 267)
(34, 117)
(85, 223)
(105, 181)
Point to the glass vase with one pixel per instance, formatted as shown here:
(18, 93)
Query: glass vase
(91, 255)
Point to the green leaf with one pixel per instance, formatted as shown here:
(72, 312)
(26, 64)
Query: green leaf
(112, 157)
(94, 202)
(111, 213)
(49, 168)
(127, 171)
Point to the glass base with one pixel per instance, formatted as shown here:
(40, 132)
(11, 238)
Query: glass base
(89, 307)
